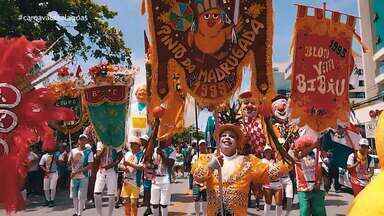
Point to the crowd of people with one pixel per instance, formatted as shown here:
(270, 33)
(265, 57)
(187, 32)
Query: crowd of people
(88, 169)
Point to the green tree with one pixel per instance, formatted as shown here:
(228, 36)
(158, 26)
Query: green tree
(187, 135)
(83, 26)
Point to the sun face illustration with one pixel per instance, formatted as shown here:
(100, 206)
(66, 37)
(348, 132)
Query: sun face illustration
(210, 22)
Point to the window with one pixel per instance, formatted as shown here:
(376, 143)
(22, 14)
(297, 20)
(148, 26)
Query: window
(356, 94)
(380, 67)
(378, 22)
(361, 82)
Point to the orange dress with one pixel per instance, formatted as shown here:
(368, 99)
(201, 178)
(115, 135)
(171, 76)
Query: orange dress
(236, 187)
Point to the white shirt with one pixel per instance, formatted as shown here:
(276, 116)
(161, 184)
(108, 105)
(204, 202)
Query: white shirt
(162, 170)
(131, 174)
(106, 158)
(48, 162)
(76, 157)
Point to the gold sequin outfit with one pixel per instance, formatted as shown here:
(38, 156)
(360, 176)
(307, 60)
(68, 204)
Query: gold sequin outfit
(236, 187)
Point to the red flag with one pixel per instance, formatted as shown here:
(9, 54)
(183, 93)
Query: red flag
(322, 65)
(78, 71)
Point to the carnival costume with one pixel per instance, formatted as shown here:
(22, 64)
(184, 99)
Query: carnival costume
(24, 114)
(238, 172)
(370, 200)
(310, 186)
(360, 167)
(283, 133)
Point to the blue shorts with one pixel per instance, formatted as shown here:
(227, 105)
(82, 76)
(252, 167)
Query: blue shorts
(79, 188)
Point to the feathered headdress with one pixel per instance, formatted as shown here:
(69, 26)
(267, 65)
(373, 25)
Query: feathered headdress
(229, 119)
(24, 115)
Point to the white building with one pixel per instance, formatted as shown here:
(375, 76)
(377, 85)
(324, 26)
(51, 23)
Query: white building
(372, 29)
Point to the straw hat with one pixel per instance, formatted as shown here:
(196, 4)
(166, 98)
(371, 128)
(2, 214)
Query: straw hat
(241, 140)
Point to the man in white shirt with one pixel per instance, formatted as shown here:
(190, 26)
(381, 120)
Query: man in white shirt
(106, 176)
(81, 160)
(48, 165)
(163, 158)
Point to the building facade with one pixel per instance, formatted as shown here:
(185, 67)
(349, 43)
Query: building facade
(371, 13)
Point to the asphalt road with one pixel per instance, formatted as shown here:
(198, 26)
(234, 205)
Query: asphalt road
(182, 204)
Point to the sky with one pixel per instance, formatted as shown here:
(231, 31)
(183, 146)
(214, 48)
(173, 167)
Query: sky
(130, 21)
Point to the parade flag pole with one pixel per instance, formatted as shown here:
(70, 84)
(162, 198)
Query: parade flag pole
(196, 119)
(70, 140)
(308, 6)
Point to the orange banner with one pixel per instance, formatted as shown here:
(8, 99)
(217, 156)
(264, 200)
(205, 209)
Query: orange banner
(322, 64)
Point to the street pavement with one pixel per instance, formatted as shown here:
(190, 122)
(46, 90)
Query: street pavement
(182, 204)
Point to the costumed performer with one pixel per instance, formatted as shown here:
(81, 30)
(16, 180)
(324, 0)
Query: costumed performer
(273, 189)
(360, 166)
(310, 185)
(81, 161)
(106, 176)
(199, 190)
(370, 200)
(285, 133)
(228, 192)
(130, 165)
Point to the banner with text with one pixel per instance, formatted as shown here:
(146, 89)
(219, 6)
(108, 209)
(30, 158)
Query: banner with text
(211, 41)
(321, 68)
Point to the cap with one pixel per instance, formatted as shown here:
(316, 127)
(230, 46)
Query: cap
(145, 137)
(363, 142)
(83, 136)
(194, 141)
(202, 141)
(134, 139)
(267, 147)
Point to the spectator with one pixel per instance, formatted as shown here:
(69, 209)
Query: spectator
(178, 168)
(34, 175)
(360, 166)
(189, 153)
(81, 160)
(48, 163)
(62, 167)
